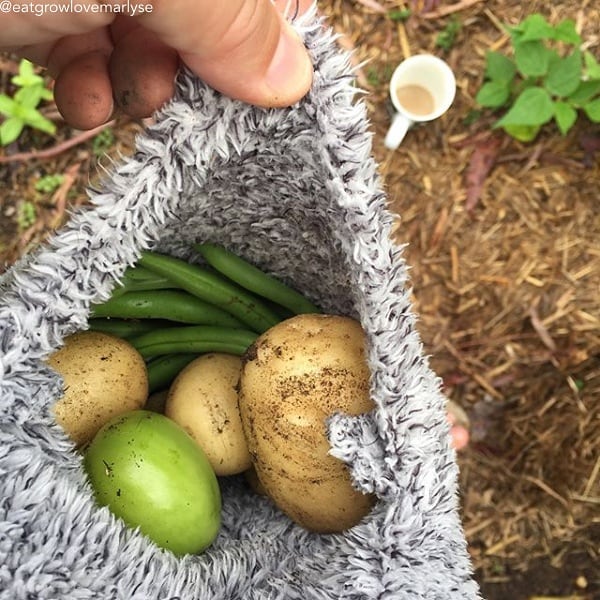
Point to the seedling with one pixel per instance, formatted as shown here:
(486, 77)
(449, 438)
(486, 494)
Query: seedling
(399, 14)
(376, 76)
(447, 37)
(21, 110)
(547, 78)
(49, 183)
(102, 142)
(26, 215)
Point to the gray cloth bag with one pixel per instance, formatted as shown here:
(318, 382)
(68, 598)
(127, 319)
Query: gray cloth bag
(296, 192)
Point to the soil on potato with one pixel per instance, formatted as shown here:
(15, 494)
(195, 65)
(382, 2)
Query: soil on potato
(505, 270)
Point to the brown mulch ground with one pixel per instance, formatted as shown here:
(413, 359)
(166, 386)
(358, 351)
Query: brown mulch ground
(506, 285)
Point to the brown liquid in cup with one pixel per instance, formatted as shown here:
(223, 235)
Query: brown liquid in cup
(415, 99)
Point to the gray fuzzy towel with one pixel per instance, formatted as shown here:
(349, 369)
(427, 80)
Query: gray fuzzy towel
(296, 192)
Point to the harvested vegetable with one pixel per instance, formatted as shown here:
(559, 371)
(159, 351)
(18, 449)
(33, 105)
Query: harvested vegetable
(253, 279)
(203, 400)
(103, 376)
(193, 339)
(150, 473)
(126, 328)
(293, 378)
(137, 279)
(174, 305)
(213, 289)
(162, 370)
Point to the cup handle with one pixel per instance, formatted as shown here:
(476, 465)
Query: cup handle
(397, 131)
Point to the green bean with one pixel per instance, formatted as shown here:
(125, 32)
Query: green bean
(125, 328)
(174, 305)
(281, 311)
(250, 277)
(137, 279)
(213, 289)
(195, 339)
(162, 370)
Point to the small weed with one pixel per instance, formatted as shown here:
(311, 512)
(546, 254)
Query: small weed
(49, 183)
(21, 110)
(548, 78)
(26, 215)
(379, 76)
(373, 77)
(103, 142)
(471, 117)
(447, 37)
(498, 569)
(399, 14)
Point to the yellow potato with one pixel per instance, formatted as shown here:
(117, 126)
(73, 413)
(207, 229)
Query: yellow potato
(103, 376)
(203, 400)
(293, 378)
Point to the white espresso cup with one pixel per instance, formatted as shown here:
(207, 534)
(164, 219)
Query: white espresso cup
(422, 88)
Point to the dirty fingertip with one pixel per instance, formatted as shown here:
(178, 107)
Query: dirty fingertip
(83, 92)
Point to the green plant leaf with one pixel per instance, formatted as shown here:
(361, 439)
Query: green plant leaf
(592, 110)
(524, 84)
(447, 37)
(47, 94)
(26, 214)
(103, 141)
(29, 97)
(532, 58)
(26, 76)
(565, 116)
(399, 14)
(499, 67)
(7, 105)
(493, 94)
(523, 133)
(33, 118)
(26, 68)
(565, 32)
(535, 27)
(10, 130)
(43, 124)
(592, 67)
(585, 91)
(564, 75)
(40, 122)
(513, 30)
(49, 183)
(533, 106)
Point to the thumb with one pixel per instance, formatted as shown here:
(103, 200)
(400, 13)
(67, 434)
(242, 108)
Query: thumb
(243, 48)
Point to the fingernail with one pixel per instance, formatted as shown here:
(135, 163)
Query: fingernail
(289, 75)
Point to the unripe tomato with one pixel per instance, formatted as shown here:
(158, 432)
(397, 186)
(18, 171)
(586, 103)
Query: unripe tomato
(152, 474)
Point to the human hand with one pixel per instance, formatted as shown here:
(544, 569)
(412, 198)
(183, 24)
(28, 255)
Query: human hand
(243, 48)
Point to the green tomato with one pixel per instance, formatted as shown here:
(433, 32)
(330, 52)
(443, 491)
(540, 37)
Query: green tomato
(153, 475)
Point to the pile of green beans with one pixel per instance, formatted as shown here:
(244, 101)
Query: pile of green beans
(172, 311)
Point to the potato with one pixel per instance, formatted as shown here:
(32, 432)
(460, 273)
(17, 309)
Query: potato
(293, 378)
(203, 399)
(103, 376)
(157, 401)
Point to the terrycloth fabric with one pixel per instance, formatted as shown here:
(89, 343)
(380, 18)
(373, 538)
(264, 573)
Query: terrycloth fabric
(296, 192)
